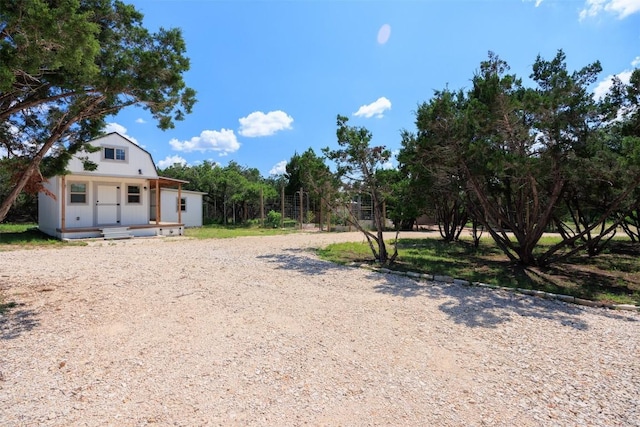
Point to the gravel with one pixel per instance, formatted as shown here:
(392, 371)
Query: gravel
(259, 331)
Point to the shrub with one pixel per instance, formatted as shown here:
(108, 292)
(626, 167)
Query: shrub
(273, 219)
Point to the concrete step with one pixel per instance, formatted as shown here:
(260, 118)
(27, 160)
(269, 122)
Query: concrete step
(116, 233)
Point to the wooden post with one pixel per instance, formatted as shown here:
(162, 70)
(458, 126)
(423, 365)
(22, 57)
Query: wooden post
(261, 207)
(301, 208)
(180, 203)
(320, 219)
(328, 217)
(63, 203)
(158, 211)
(282, 207)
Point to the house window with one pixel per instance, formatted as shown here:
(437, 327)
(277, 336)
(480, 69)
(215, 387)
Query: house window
(111, 153)
(78, 193)
(133, 194)
(183, 204)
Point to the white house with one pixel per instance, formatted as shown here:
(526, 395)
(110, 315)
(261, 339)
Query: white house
(123, 197)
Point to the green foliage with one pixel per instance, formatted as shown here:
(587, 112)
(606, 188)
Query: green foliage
(305, 171)
(91, 58)
(273, 220)
(431, 159)
(290, 223)
(519, 159)
(24, 207)
(309, 172)
(233, 191)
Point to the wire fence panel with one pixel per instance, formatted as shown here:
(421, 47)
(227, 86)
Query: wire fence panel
(294, 209)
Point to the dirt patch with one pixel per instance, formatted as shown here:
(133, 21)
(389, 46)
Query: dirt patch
(258, 331)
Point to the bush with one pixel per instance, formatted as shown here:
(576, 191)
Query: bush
(273, 219)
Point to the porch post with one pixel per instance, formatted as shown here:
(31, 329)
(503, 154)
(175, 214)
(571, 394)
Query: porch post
(157, 201)
(63, 203)
(179, 203)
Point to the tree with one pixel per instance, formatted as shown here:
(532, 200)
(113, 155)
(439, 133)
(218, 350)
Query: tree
(597, 177)
(432, 161)
(66, 65)
(232, 191)
(357, 163)
(624, 114)
(309, 171)
(529, 156)
(25, 207)
(400, 201)
(600, 172)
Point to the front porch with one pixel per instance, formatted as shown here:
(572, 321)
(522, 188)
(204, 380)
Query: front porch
(136, 230)
(129, 222)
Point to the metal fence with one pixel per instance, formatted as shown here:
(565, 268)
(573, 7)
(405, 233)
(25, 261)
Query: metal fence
(296, 210)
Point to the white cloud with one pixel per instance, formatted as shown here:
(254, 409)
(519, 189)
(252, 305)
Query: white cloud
(621, 8)
(384, 33)
(279, 168)
(636, 62)
(376, 108)
(170, 161)
(603, 87)
(141, 121)
(388, 165)
(116, 127)
(261, 124)
(625, 76)
(538, 2)
(223, 142)
(391, 163)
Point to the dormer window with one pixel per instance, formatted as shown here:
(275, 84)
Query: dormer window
(113, 153)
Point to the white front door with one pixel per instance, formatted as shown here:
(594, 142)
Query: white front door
(108, 204)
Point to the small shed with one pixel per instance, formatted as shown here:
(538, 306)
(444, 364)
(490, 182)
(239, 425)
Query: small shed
(189, 203)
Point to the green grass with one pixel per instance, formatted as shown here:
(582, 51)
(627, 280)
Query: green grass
(225, 232)
(27, 236)
(613, 276)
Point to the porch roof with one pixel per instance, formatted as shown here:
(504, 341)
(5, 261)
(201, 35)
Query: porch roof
(167, 182)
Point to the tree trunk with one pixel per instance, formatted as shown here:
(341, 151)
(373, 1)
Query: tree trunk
(34, 165)
(379, 223)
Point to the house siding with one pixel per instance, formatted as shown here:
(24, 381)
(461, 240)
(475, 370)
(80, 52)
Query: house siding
(192, 217)
(77, 215)
(138, 162)
(48, 207)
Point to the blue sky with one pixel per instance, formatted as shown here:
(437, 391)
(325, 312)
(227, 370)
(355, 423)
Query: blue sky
(271, 76)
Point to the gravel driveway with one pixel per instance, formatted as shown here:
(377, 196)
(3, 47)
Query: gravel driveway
(258, 331)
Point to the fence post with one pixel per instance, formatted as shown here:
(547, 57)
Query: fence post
(301, 209)
(262, 207)
(282, 208)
